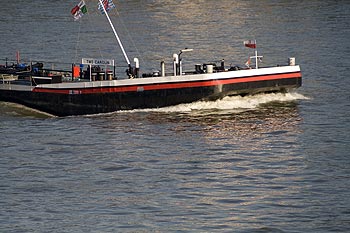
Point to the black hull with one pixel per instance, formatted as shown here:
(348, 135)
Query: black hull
(80, 104)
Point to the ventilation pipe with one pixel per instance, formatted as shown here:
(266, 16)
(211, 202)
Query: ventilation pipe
(292, 61)
(137, 67)
(162, 68)
(176, 63)
(210, 69)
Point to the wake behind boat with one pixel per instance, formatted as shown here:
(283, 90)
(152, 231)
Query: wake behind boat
(92, 87)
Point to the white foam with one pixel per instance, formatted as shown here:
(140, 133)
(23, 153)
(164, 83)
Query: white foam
(19, 110)
(238, 103)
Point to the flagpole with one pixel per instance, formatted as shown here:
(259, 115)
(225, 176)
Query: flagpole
(256, 55)
(115, 33)
(257, 58)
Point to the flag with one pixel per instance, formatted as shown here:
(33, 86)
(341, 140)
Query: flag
(79, 10)
(107, 4)
(250, 44)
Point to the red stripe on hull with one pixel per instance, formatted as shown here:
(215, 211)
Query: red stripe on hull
(159, 86)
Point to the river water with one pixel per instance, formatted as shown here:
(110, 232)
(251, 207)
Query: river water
(266, 163)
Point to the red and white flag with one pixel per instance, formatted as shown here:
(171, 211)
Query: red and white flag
(250, 44)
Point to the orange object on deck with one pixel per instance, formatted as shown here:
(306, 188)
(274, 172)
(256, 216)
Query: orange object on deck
(76, 71)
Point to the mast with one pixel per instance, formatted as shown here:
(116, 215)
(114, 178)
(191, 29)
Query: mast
(115, 33)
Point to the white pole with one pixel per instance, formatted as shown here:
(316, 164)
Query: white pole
(175, 62)
(256, 59)
(115, 33)
(90, 72)
(105, 72)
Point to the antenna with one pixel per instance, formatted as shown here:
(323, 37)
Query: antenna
(115, 33)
